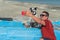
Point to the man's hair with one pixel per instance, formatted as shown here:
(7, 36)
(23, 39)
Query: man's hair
(46, 13)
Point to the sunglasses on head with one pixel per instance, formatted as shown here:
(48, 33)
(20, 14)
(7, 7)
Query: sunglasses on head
(42, 15)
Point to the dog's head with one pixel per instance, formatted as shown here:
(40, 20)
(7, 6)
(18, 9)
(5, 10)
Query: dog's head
(33, 10)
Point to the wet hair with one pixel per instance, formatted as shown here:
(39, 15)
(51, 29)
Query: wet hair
(46, 13)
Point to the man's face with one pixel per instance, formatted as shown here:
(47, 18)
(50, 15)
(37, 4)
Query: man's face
(43, 16)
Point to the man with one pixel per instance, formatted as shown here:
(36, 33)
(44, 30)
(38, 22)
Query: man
(46, 28)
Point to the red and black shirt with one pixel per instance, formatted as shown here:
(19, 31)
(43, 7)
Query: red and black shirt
(48, 31)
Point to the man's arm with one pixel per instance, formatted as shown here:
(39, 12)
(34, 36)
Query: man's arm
(38, 20)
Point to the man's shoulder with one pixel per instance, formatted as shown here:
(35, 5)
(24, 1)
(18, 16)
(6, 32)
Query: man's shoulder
(47, 22)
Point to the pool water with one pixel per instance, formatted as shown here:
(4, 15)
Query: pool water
(15, 30)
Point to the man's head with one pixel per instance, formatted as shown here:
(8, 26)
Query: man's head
(44, 15)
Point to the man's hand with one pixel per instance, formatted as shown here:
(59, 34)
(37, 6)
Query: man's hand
(28, 13)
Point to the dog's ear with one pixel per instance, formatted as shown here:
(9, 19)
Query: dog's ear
(31, 9)
(35, 8)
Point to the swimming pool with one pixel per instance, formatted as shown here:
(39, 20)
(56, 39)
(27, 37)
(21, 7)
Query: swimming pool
(15, 30)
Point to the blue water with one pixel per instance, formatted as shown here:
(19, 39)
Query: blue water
(56, 24)
(15, 30)
(52, 2)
